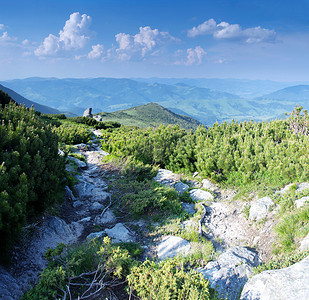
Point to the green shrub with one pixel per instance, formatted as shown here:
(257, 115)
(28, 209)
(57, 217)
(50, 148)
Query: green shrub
(72, 269)
(167, 280)
(73, 134)
(31, 171)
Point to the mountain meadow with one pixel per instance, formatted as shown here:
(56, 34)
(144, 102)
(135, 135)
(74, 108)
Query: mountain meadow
(146, 202)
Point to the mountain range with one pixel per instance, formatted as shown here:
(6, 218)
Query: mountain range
(188, 97)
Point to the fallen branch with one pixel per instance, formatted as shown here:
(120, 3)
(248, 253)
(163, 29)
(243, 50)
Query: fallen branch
(201, 233)
(107, 207)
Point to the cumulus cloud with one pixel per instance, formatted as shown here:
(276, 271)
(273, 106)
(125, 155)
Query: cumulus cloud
(73, 36)
(96, 52)
(1, 26)
(225, 30)
(143, 43)
(193, 56)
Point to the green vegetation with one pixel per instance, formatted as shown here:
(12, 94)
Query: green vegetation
(167, 280)
(150, 115)
(29, 167)
(244, 154)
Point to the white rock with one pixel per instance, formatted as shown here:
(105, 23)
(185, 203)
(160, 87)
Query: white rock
(181, 187)
(189, 208)
(230, 272)
(207, 184)
(200, 195)
(304, 244)
(299, 187)
(166, 177)
(172, 246)
(260, 208)
(287, 283)
(84, 220)
(94, 235)
(301, 202)
(84, 189)
(119, 233)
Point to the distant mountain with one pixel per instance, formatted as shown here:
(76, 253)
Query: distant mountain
(292, 93)
(204, 104)
(21, 100)
(148, 115)
(242, 87)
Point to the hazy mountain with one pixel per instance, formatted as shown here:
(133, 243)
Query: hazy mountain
(292, 93)
(242, 87)
(204, 104)
(148, 115)
(21, 100)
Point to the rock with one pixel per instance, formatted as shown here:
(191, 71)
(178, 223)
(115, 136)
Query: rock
(97, 132)
(94, 235)
(259, 209)
(119, 233)
(87, 112)
(69, 194)
(181, 187)
(77, 204)
(299, 187)
(84, 189)
(188, 225)
(167, 177)
(107, 218)
(207, 184)
(304, 244)
(189, 208)
(84, 220)
(230, 272)
(200, 195)
(96, 206)
(301, 202)
(287, 283)
(79, 163)
(9, 287)
(172, 246)
(98, 118)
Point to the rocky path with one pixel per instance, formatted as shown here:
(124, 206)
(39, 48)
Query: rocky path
(88, 214)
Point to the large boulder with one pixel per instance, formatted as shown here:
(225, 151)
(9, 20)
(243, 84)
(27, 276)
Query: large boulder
(287, 283)
(260, 208)
(119, 233)
(172, 246)
(181, 187)
(200, 195)
(88, 112)
(207, 184)
(231, 271)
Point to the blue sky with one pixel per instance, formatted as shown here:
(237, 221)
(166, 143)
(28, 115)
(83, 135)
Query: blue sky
(114, 38)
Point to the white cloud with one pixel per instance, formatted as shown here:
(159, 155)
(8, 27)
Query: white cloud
(6, 38)
(225, 30)
(193, 56)
(73, 36)
(142, 43)
(96, 52)
(1, 26)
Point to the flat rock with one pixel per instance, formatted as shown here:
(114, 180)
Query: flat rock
(94, 235)
(166, 177)
(301, 202)
(181, 187)
(119, 233)
(300, 187)
(304, 244)
(79, 163)
(287, 283)
(200, 195)
(172, 246)
(207, 184)
(84, 189)
(260, 208)
(96, 206)
(9, 287)
(230, 272)
(107, 218)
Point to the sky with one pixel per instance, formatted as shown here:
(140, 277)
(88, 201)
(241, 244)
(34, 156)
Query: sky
(253, 39)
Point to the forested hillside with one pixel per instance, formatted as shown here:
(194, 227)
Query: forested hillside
(150, 115)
